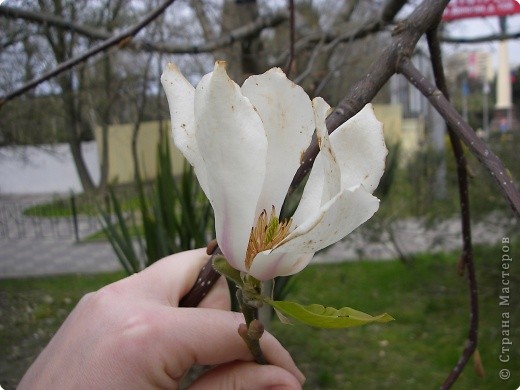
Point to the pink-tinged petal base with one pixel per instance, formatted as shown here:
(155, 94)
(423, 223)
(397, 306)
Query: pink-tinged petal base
(268, 264)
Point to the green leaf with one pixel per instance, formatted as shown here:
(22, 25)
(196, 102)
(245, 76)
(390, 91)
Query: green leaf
(326, 317)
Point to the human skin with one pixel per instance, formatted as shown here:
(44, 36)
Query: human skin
(132, 335)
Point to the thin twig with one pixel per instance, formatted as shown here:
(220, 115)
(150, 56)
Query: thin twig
(119, 39)
(143, 44)
(487, 38)
(310, 64)
(467, 248)
(372, 26)
(252, 330)
(292, 38)
(147, 45)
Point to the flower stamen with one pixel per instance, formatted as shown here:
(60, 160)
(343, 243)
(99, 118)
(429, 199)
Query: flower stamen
(267, 233)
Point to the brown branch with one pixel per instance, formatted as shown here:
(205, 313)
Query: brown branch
(487, 38)
(53, 20)
(121, 38)
(203, 19)
(467, 248)
(240, 33)
(205, 281)
(292, 38)
(372, 26)
(465, 133)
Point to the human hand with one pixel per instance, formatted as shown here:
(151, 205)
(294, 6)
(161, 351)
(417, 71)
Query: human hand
(132, 335)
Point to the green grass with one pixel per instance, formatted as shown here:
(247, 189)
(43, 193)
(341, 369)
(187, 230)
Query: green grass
(428, 299)
(31, 310)
(85, 205)
(430, 303)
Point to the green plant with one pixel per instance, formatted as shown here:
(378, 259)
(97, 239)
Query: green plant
(173, 216)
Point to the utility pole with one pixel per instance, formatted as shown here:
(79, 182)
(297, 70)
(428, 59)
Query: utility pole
(503, 108)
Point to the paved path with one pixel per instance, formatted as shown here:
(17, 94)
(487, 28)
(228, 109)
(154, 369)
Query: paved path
(51, 256)
(413, 236)
(32, 246)
(33, 257)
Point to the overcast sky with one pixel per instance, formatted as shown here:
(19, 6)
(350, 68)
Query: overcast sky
(477, 27)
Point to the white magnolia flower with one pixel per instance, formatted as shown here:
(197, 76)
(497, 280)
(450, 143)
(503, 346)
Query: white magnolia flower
(246, 144)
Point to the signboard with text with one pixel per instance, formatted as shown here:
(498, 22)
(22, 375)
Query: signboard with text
(462, 9)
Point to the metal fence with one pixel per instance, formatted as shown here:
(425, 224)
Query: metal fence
(62, 218)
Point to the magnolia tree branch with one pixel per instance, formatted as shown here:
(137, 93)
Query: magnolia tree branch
(467, 248)
(404, 40)
(119, 39)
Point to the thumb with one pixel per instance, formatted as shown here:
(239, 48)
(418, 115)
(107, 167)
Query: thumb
(247, 375)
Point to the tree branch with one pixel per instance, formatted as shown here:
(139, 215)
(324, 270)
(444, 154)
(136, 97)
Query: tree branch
(405, 37)
(391, 8)
(53, 20)
(487, 38)
(292, 39)
(120, 39)
(467, 248)
(207, 46)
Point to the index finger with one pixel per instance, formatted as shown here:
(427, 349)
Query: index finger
(169, 279)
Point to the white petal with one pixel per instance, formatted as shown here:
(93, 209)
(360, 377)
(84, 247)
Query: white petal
(181, 94)
(337, 218)
(325, 178)
(267, 265)
(287, 115)
(233, 145)
(320, 220)
(360, 149)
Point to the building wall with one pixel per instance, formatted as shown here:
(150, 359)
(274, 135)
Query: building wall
(121, 167)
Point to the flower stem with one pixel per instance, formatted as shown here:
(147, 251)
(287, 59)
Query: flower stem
(252, 330)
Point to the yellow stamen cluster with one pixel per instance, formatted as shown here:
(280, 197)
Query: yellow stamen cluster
(267, 233)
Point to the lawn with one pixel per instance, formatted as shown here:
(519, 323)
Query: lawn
(430, 304)
(427, 298)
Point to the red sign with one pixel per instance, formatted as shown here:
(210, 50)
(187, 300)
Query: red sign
(462, 9)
